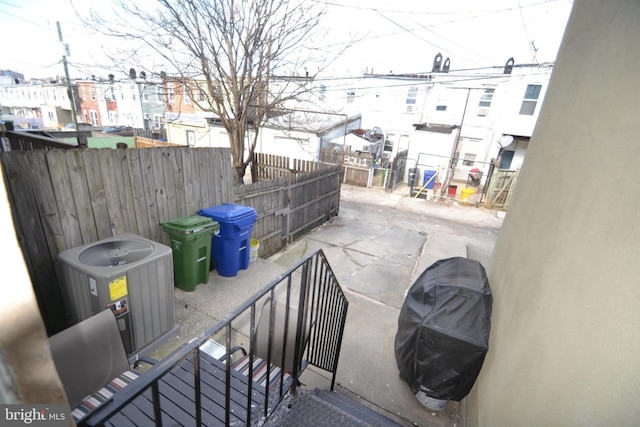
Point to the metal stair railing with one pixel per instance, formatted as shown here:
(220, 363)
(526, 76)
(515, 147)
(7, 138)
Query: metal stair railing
(309, 332)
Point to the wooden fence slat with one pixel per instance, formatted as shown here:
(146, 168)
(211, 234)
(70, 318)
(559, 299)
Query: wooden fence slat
(153, 208)
(120, 179)
(60, 180)
(110, 173)
(205, 199)
(47, 207)
(140, 205)
(81, 196)
(173, 192)
(190, 182)
(96, 192)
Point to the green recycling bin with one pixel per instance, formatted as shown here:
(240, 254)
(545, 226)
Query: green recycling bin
(191, 243)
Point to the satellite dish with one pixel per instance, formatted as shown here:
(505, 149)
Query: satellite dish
(505, 140)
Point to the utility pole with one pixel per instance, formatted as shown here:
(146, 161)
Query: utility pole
(82, 139)
(66, 74)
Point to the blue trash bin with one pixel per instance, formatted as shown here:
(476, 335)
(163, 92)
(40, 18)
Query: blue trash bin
(231, 247)
(428, 174)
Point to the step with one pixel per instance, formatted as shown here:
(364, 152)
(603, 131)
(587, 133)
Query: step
(325, 408)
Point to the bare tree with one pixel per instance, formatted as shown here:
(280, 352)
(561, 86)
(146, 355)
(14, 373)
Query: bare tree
(227, 52)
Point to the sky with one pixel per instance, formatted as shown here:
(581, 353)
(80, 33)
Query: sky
(399, 36)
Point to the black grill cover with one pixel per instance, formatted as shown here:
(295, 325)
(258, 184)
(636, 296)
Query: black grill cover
(443, 329)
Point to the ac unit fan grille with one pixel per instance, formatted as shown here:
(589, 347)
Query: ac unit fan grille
(116, 252)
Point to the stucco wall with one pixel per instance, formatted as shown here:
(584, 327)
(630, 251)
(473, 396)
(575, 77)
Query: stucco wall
(27, 372)
(565, 344)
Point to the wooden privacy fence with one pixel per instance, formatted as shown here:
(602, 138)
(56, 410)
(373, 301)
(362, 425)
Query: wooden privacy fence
(66, 198)
(142, 142)
(292, 204)
(62, 199)
(271, 166)
(357, 168)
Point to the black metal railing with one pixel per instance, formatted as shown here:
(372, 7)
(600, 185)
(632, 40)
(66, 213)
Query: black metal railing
(295, 321)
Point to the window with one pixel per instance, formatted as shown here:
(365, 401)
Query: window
(323, 91)
(485, 102)
(94, 117)
(132, 89)
(412, 94)
(92, 93)
(191, 138)
(187, 95)
(468, 159)
(171, 91)
(158, 121)
(530, 100)
(441, 108)
(145, 94)
(160, 93)
(485, 99)
(203, 95)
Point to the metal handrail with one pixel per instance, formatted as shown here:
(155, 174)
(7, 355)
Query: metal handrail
(311, 289)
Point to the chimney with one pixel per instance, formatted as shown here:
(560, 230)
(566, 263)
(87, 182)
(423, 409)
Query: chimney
(445, 67)
(437, 63)
(508, 67)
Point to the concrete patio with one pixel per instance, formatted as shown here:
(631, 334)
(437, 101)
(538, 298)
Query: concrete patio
(377, 246)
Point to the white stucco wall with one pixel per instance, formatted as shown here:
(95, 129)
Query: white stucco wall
(565, 339)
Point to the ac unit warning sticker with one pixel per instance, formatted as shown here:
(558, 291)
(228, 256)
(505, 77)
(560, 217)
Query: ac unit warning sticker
(118, 288)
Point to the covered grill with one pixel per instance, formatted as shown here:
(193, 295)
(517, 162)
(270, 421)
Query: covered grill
(443, 329)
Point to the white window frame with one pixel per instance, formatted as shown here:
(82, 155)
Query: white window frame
(186, 95)
(412, 95)
(158, 121)
(469, 159)
(485, 102)
(191, 138)
(171, 92)
(530, 101)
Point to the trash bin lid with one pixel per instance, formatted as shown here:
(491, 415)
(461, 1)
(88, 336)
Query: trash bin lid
(189, 224)
(228, 212)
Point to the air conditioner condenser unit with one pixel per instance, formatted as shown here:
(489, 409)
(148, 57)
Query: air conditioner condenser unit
(129, 274)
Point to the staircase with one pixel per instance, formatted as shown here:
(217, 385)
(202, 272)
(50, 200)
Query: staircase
(318, 408)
